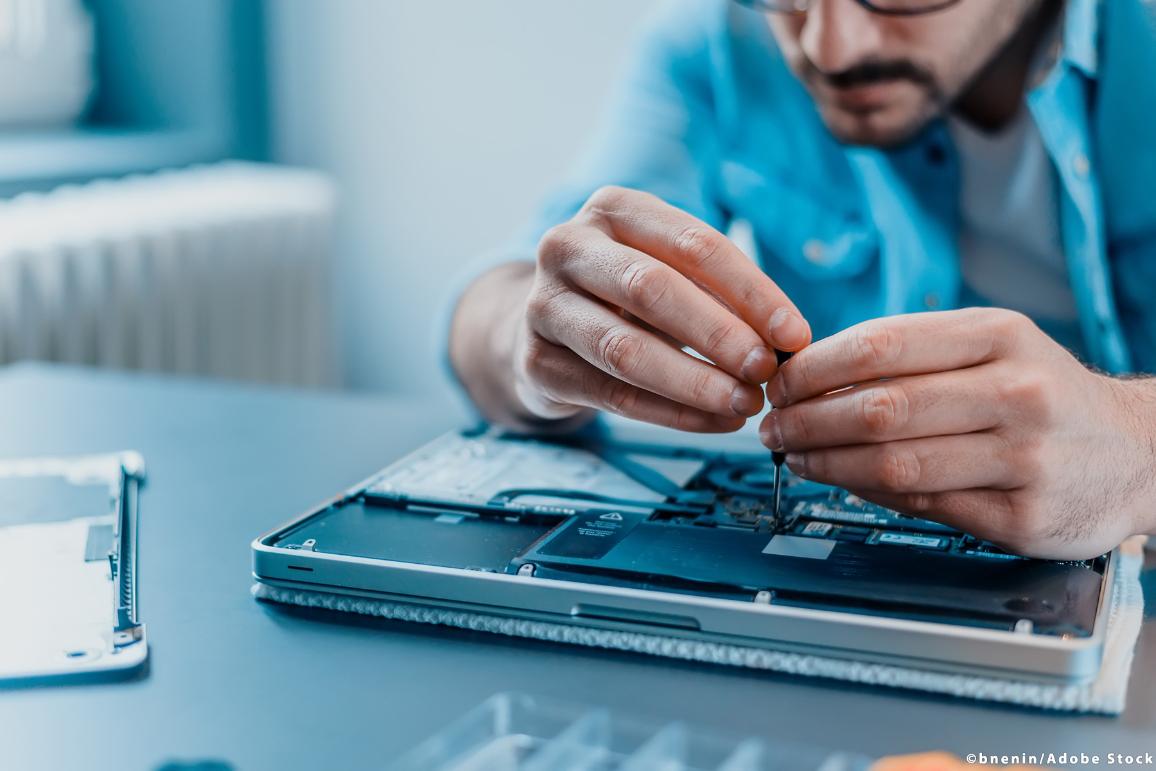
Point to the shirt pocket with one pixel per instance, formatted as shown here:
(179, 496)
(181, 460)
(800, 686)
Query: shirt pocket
(814, 240)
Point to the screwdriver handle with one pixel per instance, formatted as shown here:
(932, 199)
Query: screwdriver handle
(782, 357)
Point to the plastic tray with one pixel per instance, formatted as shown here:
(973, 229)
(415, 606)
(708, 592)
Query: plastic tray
(516, 732)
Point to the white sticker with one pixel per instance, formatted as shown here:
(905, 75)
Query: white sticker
(906, 539)
(797, 546)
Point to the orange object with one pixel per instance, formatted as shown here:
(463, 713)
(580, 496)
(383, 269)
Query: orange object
(933, 761)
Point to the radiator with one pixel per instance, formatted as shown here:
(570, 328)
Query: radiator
(219, 270)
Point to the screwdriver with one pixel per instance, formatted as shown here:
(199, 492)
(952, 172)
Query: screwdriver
(779, 457)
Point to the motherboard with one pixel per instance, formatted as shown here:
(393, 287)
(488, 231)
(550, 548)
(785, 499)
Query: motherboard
(682, 519)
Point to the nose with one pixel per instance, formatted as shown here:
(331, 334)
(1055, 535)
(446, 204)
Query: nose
(838, 34)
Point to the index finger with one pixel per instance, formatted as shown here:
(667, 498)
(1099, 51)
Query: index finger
(698, 251)
(898, 346)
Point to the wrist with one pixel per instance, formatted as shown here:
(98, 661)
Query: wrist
(1136, 398)
(479, 354)
(487, 325)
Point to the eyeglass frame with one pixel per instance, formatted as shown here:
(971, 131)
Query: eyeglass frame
(802, 6)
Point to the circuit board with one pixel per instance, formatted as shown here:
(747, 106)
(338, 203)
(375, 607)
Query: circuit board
(681, 519)
(741, 492)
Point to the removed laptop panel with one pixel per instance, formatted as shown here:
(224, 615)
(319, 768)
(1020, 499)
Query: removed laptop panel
(68, 568)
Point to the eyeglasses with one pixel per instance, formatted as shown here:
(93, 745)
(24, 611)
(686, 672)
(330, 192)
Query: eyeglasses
(882, 7)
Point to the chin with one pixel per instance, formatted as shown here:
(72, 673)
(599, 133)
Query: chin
(885, 127)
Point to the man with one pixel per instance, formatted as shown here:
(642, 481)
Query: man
(893, 158)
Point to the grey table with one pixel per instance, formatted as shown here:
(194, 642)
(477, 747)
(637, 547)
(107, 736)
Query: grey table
(256, 687)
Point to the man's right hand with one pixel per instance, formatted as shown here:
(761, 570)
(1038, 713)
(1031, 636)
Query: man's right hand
(619, 290)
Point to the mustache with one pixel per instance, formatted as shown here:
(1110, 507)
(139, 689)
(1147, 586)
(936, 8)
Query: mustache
(876, 71)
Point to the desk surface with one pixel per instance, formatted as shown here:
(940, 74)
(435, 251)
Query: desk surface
(256, 687)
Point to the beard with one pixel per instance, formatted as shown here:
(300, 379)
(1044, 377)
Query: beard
(875, 103)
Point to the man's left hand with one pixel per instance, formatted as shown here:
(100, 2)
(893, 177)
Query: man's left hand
(977, 419)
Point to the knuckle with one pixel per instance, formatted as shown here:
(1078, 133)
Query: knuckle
(1027, 460)
(700, 244)
(875, 344)
(619, 397)
(606, 200)
(795, 425)
(1006, 326)
(557, 245)
(533, 358)
(899, 470)
(1028, 395)
(1008, 322)
(681, 418)
(647, 289)
(753, 295)
(716, 337)
(920, 503)
(884, 410)
(702, 387)
(533, 353)
(537, 305)
(976, 317)
(1016, 389)
(541, 304)
(616, 349)
(685, 418)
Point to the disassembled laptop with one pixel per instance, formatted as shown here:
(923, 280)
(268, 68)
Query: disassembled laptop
(666, 520)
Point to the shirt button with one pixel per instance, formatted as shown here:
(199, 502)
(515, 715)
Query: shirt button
(815, 252)
(936, 155)
(1081, 165)
(931, 301)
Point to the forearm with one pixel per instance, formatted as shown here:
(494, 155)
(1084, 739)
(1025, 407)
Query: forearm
(483, 339)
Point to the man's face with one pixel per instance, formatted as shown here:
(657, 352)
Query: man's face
(878, 80)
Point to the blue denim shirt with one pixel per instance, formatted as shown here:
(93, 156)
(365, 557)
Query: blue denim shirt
(710, 119)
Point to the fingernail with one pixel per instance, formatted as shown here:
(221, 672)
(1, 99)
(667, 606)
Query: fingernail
(777, 392)
(772, 433)
(788, 330)
(757, 366)
(795, 463)
(742, 403)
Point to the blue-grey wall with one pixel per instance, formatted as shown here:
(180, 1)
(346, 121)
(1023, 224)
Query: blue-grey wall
(443, 124)
(193, 66)
(176, 83)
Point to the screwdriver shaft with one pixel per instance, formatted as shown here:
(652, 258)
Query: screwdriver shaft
(778, 486)
(778, 458)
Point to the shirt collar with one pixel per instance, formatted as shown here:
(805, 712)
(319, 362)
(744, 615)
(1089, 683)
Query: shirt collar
(1081, 35)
